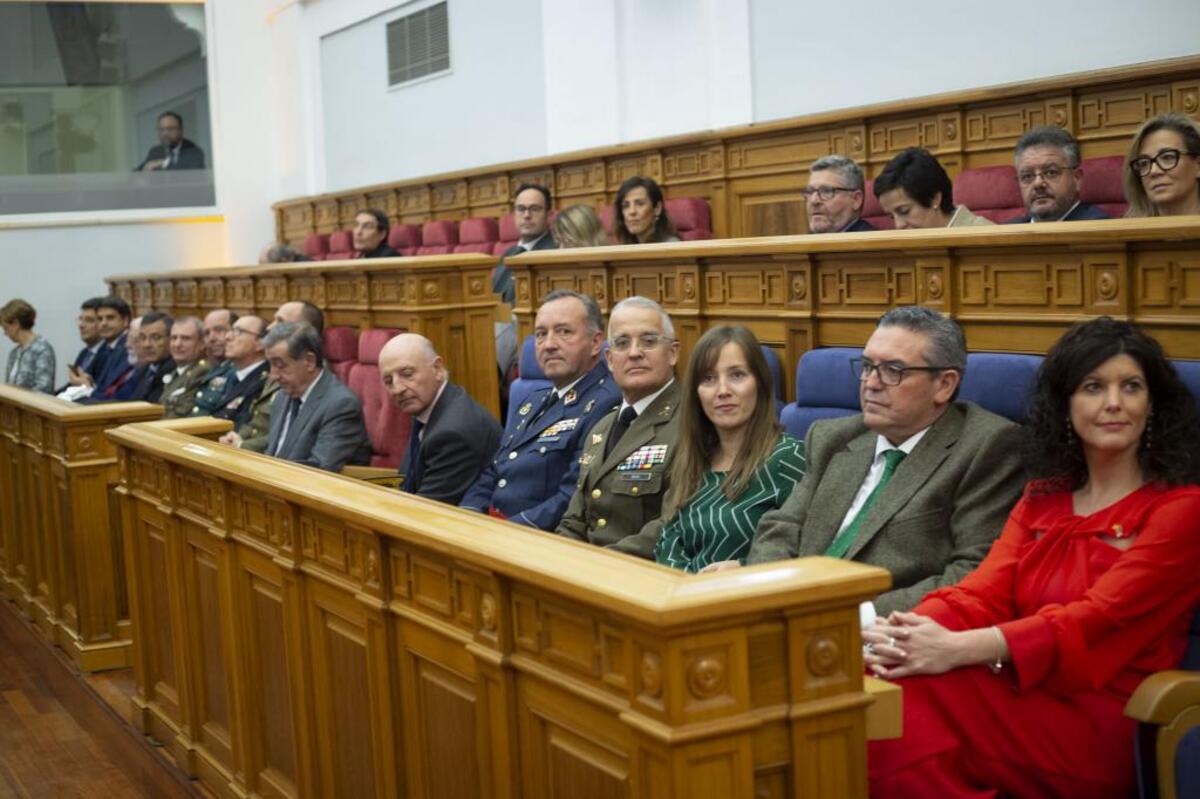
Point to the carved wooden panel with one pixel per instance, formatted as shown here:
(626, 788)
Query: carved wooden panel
(621, 169)
(542, 176)
(307, 287)
(1110, 112)
(1167, 283)
(876, 285)
(346, 290)
(164, 294)
(326, 214)
(202, 602)
(448, 196)
(297, 219)
(384, 200)
(703, 161)
(270, 291)
(143, 296)
(348, 208)
(581, 178)
(415, 203)
(488, 191)
(186, 293)
(239, 292)
(212, 293)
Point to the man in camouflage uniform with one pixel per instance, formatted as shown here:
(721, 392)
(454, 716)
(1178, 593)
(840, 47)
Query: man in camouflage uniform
(179, 387)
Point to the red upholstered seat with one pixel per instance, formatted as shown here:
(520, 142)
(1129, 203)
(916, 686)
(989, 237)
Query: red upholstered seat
(341, 245)
(477, 234)
(991, 192)
(606, 221)
(872, 211)
(316, 246)
(691, 217)
(341, 349)
(508, 235)
(1102, 184)
(438, 237)
(387, 426)
(404, 238)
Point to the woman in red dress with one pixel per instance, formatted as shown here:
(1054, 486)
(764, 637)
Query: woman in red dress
(1015, 680)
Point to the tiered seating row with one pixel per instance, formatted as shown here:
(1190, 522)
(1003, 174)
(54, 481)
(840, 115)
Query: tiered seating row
(487, 235)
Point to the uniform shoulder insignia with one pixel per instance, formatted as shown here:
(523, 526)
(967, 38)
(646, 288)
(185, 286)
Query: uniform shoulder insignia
(597, 438)
(525, 409)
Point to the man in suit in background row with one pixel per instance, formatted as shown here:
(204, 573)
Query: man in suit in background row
(531, 215)
(154, 364)
(452, 436)
(917, 483)
(173, 151)
(834, 196)
(1050, 177)
(315, 421)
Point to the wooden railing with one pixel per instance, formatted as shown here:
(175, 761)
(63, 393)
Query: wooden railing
(447, 298)
(302, 634)
(752, 175)
(60, 555)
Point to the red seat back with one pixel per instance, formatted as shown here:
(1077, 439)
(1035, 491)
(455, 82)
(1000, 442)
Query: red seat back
(1102, 185)
(387, 426)
(990, 192)
(691, 217)
(606, 221)
(438, 237)
(316, 246)
(341, 245)
(508, 235)
(477, 234)
(404, 238)
(872, 211)
(341, 348)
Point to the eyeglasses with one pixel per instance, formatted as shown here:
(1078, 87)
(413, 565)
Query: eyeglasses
(826, 193)
(890, 374)
(646, 342)
(1166, 160)
(1048, 174)
(521, 210)
(243, 331)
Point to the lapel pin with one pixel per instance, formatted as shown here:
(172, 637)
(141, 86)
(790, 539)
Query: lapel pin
(570, 398)
(525, 409)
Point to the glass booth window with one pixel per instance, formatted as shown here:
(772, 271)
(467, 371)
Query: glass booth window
(103, 106)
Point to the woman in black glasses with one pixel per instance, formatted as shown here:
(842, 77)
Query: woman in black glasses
(1162, 169)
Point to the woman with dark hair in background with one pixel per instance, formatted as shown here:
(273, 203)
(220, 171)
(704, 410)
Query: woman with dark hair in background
(733, 463)
(639, 216)
(1162, 168)
(917, 192)
(1015, 680)
(31, 362)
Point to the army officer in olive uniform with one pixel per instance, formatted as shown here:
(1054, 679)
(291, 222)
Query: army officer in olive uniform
(624, 467)
(179, 387)
(531, 478)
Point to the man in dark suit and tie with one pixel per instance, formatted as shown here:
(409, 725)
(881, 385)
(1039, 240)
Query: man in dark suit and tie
(90, 359)
(917, 483)
(452, 436)
(1050, 177)
(531, 214)
(111, 364)
(243, 383)
(625, 466)
(532, 476)
(154, 362)
(834, 196)
(316, 421)
(173, 151)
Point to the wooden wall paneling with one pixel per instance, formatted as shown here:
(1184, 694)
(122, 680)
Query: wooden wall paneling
(581, 182)
(766, 206)
(20, 585)
(10, 543)
(270, 291)
(619, 169)
(450, 200)
(327, 214)
(415, 204)
(348, 208)
(163, 294)
(187, 299)
(212, 294)
(240, 294)
(41, 537)
(383, 199)
(295, 221)
(124, 290)
(143, 297)
(939, 131)
(489, 195)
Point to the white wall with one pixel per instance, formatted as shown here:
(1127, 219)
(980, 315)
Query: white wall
(810, 57)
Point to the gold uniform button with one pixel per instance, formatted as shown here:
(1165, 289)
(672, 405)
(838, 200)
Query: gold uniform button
(512, 456)
(595, 493)
(501, 483)
(633, 489)
(602, 522)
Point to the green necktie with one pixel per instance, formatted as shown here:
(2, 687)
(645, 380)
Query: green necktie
(843, 540)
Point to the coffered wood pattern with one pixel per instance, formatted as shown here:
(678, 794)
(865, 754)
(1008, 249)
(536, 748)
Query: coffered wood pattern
(751, 175)
(447, 298)
(302, 634)
(60, 557)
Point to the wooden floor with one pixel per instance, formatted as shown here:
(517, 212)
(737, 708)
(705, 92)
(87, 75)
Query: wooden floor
(62, 735)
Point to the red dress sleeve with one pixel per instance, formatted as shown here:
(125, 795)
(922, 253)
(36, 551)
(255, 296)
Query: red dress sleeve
(1144, 599)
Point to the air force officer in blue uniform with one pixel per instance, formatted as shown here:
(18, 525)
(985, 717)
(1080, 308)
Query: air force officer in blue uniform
(532, 476)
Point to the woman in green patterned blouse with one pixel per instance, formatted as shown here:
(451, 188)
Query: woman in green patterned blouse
(734, 462)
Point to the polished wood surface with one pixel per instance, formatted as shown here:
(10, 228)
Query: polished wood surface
(60, 738)
(60, 557)
(303, 634)
(447, 298)
(751, 175)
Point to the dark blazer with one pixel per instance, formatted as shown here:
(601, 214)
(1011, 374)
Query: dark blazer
(1080, 213)
(534, 485)
(114, 364)
(238, 399)
(859, 225)
(456, 445)
(935, 520)
(502, 278)
(328, 432)
(614, 498)
(190, 156)
(146, 382)
(382, 251)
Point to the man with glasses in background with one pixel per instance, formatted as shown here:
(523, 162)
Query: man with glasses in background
(245, 384)
(531, 215)
(1049, 174)
(834, 196)
(917, 483)
(173, 151)
(626, 460)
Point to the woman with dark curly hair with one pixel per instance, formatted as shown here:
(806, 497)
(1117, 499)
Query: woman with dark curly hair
(639, 216)
(1015, 679)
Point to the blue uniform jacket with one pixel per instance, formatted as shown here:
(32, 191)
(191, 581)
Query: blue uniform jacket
(533, 475)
